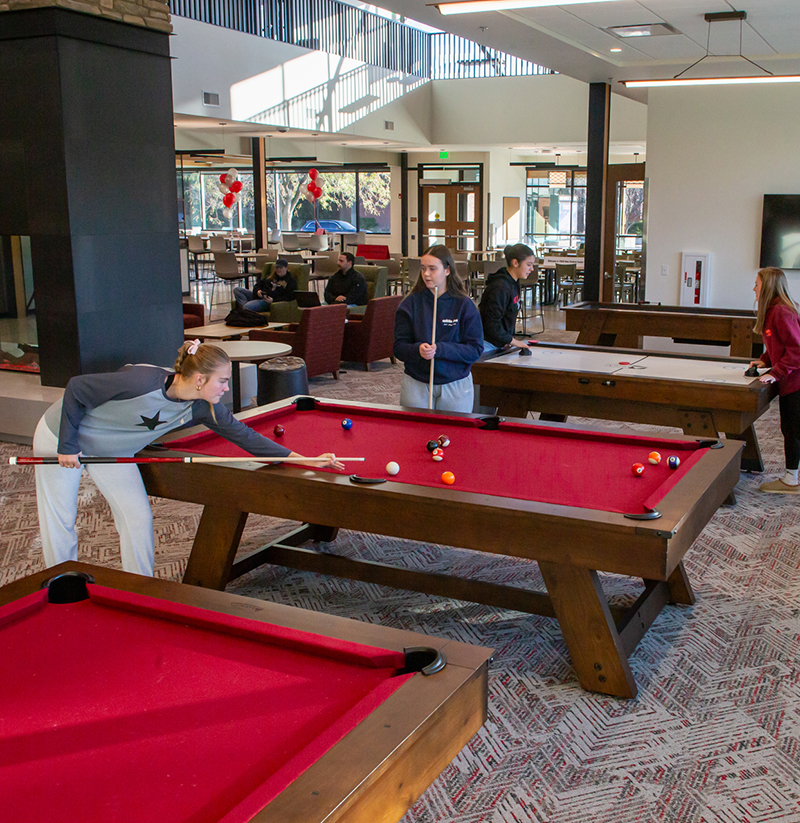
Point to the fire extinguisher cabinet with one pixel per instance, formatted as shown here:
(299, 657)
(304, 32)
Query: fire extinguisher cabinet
(695, 274)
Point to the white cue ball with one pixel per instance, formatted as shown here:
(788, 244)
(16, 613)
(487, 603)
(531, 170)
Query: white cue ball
(392, 468)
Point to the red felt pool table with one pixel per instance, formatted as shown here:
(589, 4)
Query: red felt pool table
(563, 496)
(131, 699)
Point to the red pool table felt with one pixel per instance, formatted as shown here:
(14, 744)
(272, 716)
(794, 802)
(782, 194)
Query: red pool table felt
(570, 467)
(125, 707)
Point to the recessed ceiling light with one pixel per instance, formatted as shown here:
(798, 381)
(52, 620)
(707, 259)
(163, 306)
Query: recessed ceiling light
(616, 49)
(646, 30)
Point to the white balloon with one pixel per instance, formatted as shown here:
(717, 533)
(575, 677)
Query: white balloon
(309, 197)
(227, 213)
(320, 181)
(234, 174)
(223, 188)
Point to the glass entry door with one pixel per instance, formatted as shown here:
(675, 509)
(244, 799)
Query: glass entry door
(450, 215)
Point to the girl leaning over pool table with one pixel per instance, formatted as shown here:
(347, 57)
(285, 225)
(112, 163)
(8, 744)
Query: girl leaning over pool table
(116, 415)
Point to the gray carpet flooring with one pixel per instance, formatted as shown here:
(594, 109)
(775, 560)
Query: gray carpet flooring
(714, 735)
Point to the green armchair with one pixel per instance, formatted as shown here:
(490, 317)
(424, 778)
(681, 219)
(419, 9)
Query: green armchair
(288, 312)
(377, 278)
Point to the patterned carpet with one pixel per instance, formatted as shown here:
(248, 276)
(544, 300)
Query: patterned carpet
(714, 735)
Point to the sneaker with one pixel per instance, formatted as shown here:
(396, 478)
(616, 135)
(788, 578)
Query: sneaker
(779, 487)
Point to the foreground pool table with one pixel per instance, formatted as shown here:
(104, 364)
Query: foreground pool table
(701, 395)
(133, 699)
(624, 325)
(562, 496)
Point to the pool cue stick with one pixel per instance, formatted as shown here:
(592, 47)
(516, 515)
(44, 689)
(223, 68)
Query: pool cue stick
(53, 461)
(433, 343)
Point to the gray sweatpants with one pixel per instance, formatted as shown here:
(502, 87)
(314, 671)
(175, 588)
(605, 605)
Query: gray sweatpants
(456, 396)
(57, 501)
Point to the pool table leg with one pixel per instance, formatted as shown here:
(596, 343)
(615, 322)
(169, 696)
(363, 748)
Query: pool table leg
(214, 548)
(589, 630)
(751, 454)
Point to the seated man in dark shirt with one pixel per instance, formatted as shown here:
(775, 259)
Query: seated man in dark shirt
(279, 287)
(347, 285)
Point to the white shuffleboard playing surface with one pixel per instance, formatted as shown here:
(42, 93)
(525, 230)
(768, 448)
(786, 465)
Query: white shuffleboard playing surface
(627, 365)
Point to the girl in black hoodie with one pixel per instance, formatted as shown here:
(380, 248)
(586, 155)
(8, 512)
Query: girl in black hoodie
(500, 299)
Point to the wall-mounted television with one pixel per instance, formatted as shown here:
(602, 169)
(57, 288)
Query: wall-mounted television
(780, 231)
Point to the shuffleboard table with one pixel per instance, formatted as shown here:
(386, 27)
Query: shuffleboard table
(702, 396)
(625, 324)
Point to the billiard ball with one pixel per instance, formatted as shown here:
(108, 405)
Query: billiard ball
(431, 445)
(444, 441)
(392, 468)
(437, 454)
(448, 478)
(278, 431)
(654, 458)
(347, 424)
(673, 462)
(637, 469)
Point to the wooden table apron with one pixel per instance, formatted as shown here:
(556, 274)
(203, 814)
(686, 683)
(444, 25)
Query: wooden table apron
(699, 409)
(570, 544)
(379, 769)
(624, 325)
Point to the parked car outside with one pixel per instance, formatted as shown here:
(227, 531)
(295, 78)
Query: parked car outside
(331, 226)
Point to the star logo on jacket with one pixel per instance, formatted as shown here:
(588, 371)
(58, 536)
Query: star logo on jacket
(151, 422)
(768, 332)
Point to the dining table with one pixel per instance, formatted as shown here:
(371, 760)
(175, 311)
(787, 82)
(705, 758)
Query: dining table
(248, 351)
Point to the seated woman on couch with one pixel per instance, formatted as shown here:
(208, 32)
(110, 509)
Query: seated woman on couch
(279, 287)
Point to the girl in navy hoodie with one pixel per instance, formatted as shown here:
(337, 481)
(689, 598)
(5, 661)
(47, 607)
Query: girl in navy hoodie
(459, 336)
(777, 321)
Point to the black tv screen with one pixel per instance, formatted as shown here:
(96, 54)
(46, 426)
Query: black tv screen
(780, 231)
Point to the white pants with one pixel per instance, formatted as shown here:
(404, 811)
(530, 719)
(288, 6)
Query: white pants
(457, 396)
(57, 501)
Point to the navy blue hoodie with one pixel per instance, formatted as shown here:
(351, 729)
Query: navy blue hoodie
(459, 336)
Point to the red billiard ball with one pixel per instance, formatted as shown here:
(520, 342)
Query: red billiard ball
(278, 431)
(637, 469)
(437, 454)
(448, 478)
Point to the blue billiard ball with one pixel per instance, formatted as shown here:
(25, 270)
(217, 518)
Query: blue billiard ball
(673, 462)
(347, 424)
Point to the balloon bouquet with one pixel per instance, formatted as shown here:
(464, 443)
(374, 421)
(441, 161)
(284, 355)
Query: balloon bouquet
(314, 186)
(231, 187)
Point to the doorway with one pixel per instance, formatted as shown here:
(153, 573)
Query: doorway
(624, 275)
(450, 207)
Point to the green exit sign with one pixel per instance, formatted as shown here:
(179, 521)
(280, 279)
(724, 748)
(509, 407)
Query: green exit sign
(443, 155)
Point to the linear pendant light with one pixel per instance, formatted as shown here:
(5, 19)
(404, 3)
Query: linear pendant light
(472, 6)
(677, 80)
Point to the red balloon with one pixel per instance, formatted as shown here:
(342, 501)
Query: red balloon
(236, 187)
(222, 177)
(310, 188)
(312, 173)
(229, 199)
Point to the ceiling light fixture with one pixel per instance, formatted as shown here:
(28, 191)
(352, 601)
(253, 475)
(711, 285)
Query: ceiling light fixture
(678, 80)
(471, 6)
(616, 49)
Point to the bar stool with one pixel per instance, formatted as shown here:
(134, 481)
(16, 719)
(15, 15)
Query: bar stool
(531, 286)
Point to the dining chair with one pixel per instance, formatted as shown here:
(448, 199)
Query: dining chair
(317, 242)
(217, 243)
(226, 268)
(568, 286)
(411, 268)
(290, 242)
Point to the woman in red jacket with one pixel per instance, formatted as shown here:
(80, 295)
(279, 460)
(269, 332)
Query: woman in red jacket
(779, 325)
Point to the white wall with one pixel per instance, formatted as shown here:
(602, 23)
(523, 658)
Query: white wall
(712, 153)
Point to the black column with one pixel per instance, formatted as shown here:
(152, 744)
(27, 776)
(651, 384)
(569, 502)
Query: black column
(404, 204)
(87, 169)
(259, 192)
(596, 181)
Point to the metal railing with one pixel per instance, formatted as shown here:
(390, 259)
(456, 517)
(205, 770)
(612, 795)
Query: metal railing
(338, 28)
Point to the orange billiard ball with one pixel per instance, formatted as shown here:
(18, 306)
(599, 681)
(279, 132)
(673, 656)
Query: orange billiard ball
(654, 458)
(448, 478)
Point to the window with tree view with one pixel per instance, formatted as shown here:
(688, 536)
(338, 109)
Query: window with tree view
(556, 208)
(203, 202)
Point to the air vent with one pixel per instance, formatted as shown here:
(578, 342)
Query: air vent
(388, 125)
(210, 98)
(646, 30)
(470, 176)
